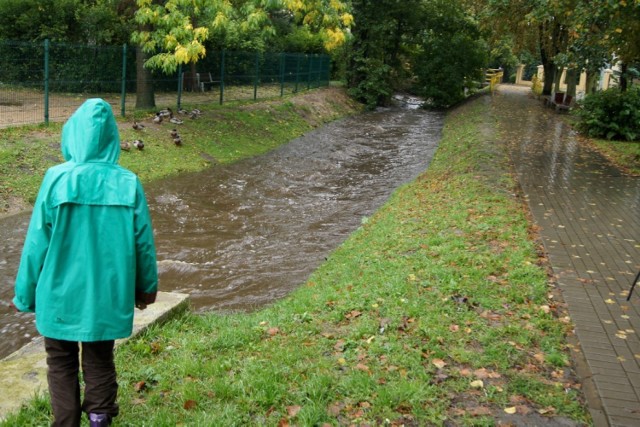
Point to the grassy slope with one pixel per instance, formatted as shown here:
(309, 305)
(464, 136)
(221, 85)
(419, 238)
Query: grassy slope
(435, 309)
(624, 154)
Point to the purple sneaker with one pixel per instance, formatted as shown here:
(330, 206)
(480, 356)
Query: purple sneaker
(99, 420)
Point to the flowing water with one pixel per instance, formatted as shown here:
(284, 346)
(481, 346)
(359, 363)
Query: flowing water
(240, 236)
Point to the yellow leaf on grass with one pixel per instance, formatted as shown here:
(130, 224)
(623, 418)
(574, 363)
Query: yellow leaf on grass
(510, 410)
(439, 363)
(477, 384)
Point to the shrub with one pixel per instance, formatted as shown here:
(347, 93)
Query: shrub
(611, 114)
(374, 87)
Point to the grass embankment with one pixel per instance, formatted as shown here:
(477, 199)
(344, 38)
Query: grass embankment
(435, 310)
(222, 134)
(624, 154)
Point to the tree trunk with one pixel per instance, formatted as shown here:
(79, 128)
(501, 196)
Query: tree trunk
(145, 97)
(592, 82)
(549, 77)
(557, 80)
(190, 80)
(547, 65)
(624, 83)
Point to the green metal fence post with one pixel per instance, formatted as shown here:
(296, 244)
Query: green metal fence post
(324, 73)
(222, 77)
(282, 74)
(123, 94)
(180, 80)
(256, 77)
(310, 61)
(46, 81)
(298, 56)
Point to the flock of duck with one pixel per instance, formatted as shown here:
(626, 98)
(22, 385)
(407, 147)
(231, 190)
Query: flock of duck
(160, 117)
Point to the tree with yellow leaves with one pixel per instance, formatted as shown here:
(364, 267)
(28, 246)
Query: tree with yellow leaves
(177, 32)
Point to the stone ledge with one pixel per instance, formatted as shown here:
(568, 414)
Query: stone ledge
(23, 374)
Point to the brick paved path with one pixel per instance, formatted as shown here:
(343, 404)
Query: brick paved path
(589, 219)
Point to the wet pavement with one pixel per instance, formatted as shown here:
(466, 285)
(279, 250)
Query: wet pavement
(588, 214)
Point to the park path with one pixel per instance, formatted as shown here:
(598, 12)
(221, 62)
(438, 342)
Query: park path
(588, 215)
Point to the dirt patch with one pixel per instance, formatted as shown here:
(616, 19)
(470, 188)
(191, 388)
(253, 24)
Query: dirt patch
(10, 205)
(316, 106)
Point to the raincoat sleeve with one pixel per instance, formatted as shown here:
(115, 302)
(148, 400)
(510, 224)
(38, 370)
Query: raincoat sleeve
(34, 252)
(146, 266)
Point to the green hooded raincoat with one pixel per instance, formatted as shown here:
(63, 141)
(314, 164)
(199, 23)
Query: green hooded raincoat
(89, 249)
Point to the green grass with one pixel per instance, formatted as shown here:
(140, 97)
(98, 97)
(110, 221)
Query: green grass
(624, 154)
(25, 153)
(435, 310)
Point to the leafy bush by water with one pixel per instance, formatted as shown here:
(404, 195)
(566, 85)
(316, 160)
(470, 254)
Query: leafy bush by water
(611, 114)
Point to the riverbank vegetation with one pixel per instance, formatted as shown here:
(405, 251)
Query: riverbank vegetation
(436, 310)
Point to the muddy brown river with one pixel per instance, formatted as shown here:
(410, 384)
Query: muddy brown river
(241, 236)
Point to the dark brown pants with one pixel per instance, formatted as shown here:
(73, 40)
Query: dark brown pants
(99, 374)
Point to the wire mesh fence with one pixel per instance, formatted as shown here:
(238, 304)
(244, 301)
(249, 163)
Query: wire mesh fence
(42, 82)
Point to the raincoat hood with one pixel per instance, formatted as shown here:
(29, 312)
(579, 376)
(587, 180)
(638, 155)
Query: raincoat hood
(91, 134)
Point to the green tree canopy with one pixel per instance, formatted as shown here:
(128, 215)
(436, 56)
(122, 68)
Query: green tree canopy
(72, 21)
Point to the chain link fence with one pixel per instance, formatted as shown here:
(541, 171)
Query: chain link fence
(42, 82)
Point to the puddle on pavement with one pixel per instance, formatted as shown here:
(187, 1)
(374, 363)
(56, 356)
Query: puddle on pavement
(238, 237)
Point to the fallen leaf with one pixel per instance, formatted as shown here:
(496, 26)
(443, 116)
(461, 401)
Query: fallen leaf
(293, 410)
(190, 404)
(483, 373)
(273, 331)
(510, 410)
(439, 363)
(353, 314)
(523, 409)
(517, 399)
(477, 384)
(334, 409)
(465, 372)
(155, 348)
(140, 386)
(479, 411)
(362, 367)
(283, 423)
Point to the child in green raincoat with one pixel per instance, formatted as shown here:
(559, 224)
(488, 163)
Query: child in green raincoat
(88, 258)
